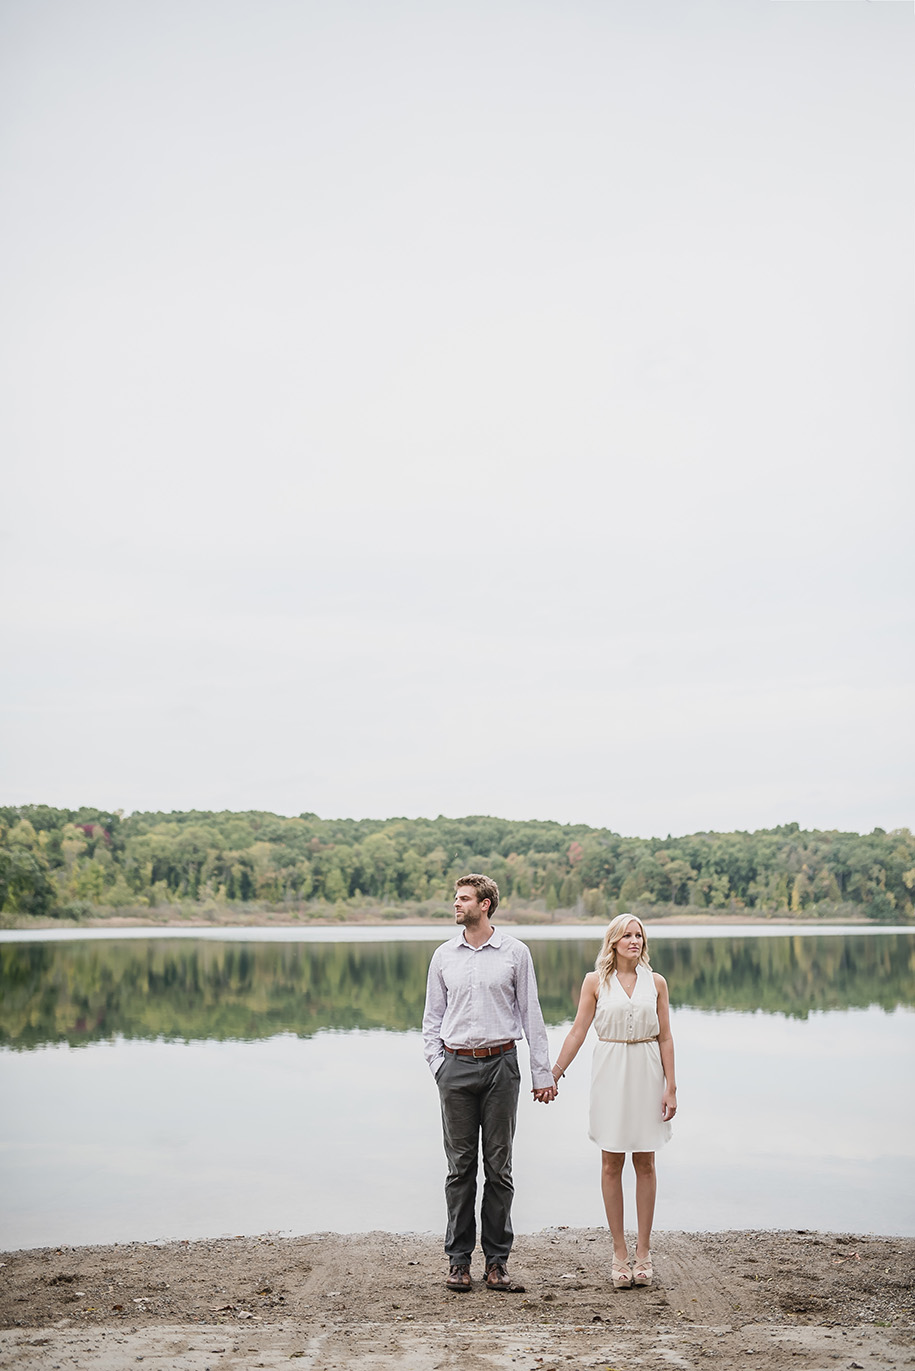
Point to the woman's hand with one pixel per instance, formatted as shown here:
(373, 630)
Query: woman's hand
(669, 1104)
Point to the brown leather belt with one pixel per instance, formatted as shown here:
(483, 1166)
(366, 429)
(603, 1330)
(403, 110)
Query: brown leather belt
(479, 1051)
(630, 1042)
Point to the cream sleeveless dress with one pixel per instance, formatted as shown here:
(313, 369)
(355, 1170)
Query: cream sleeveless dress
(627, 1079)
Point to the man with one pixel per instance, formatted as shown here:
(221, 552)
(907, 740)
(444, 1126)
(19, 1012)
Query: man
(481, 994)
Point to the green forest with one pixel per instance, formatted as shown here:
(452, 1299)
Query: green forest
(64, 863)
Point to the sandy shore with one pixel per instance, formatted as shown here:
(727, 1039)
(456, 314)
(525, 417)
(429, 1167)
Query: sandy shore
(377, 1301)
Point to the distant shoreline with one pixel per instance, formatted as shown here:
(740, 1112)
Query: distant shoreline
(258, 868)
(170, 917)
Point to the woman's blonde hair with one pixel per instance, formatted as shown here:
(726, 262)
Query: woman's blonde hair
(606, 958)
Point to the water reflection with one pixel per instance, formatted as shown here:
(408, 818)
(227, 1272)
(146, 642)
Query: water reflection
(84, 992)
(209, 1097)
(126, 1141)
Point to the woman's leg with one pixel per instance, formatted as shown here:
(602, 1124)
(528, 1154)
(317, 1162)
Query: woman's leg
(611, 1186)
(646, 1188)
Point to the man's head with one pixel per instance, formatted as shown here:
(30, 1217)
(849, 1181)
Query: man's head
(475, 898)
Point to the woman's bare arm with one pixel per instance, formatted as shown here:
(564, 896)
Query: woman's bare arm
(587, 1004)
(666, 1044)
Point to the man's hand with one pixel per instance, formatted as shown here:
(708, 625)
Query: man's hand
(546, 1094)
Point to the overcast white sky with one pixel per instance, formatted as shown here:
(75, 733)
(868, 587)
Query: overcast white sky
(437, 406)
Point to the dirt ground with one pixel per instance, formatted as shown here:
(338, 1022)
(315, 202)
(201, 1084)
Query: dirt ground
(377, 1301)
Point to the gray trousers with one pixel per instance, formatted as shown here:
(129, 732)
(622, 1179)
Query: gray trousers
(479, 1099)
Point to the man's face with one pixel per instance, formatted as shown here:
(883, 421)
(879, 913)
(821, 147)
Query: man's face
(467, 908)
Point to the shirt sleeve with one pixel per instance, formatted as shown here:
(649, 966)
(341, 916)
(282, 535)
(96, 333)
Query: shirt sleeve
(433, 1014)
(532, 1021)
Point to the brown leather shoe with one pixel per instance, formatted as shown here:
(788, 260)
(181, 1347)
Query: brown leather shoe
(459, 1278)
(497, 1278)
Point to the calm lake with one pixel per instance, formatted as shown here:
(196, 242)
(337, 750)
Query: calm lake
(157, 1085)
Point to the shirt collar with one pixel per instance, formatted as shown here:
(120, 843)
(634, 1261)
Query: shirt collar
(494, 940)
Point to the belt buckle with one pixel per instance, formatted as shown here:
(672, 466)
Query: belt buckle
(480, 1052)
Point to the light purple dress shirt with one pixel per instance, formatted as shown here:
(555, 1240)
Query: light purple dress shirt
(481, 996)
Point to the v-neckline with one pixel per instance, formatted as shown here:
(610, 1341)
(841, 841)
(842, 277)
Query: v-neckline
(623, 988)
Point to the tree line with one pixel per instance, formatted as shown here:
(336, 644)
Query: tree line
(65, 863)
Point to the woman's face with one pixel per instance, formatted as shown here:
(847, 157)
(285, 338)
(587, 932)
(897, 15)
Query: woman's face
(632, 941)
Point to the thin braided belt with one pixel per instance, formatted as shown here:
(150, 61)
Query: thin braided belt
(479, 1051)
(631, 1041)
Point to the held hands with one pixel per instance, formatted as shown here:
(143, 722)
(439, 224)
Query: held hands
(546, 1094)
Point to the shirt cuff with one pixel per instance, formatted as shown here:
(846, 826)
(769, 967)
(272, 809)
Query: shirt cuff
(542, 1080)
(437, 1063)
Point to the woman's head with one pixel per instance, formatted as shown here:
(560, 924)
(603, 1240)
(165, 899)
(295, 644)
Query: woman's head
(616, 931)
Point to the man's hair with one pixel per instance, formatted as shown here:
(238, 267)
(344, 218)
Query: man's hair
(485, 887)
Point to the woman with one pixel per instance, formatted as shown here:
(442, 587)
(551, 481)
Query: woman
(633, 1086)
